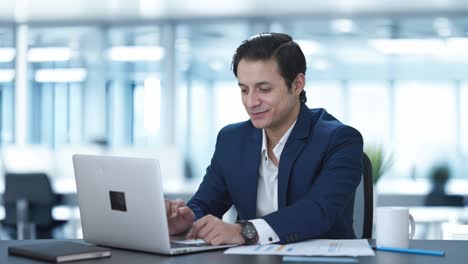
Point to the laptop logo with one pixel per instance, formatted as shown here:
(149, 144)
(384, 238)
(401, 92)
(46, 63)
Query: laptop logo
(117, 201)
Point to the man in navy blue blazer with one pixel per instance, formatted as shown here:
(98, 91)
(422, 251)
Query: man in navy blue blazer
(290, 171)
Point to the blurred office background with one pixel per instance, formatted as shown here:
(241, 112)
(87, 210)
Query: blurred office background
(153, 78)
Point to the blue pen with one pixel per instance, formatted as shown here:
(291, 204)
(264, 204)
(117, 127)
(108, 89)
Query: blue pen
(412, 251)
(319, 259)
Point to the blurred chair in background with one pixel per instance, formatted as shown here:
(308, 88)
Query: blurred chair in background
(29, 199)
(440, 175)
(27, 186)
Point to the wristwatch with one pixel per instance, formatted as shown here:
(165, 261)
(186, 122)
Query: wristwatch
(248, 232)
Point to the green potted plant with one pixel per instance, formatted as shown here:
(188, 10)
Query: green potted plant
(380, 160)
(381, 163)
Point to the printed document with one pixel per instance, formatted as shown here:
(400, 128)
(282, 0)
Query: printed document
(316, 247)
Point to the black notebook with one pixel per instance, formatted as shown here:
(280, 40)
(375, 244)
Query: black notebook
(59, 251)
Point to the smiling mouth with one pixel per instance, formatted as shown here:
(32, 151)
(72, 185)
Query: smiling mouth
(258, 113)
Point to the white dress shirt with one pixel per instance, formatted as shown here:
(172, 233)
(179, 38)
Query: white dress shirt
(267, 191)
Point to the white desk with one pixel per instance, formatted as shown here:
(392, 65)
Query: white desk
(432, 218)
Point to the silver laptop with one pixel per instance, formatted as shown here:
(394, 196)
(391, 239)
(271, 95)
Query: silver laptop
(122, 205)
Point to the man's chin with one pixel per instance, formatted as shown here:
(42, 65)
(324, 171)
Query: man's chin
(259, 123)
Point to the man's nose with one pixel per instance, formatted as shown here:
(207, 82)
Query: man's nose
(253, 99)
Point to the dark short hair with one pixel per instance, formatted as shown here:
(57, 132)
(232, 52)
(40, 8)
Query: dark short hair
(291, 61)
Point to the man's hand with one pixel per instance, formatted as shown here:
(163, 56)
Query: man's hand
(216, 232)
(179, 216)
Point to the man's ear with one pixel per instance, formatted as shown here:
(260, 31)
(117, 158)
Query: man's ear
(298, 84)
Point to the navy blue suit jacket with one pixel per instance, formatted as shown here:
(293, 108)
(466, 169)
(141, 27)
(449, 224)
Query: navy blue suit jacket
(319, 170)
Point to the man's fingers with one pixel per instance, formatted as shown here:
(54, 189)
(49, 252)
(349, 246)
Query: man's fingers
(209, 236)
(174, 207)
(206, 230)
(186, 213)
(217, 240)
(197, 226)
(179, 202)
(174, 210)
(191, 234)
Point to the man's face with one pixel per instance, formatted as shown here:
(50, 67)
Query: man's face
(266, 98)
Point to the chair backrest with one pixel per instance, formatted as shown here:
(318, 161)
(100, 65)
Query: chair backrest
(364, 202)
(35, 188)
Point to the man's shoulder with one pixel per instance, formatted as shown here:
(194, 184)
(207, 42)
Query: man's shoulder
(322, 119)
(238, 128)
(238, 134)
(326, 123)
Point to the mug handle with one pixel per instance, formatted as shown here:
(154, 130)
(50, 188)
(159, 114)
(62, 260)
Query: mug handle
(413, 226)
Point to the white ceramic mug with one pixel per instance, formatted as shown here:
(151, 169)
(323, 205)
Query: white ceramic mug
(395, 227)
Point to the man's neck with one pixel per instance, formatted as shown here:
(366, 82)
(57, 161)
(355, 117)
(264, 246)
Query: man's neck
(274, 134)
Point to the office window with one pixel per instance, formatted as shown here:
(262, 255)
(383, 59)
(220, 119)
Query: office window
(7, 78)
(464, 122)
(61, 69)
(208, 96)
(425, 128)
(229, 107)
(369, 111)
(201, 127)
(135, 56)
(6, 112)
(328, 95)
(147, 112)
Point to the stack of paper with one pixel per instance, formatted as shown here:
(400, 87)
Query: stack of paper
(318, 247)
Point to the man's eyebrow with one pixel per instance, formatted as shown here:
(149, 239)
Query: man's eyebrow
(257, 84)
(263, 83)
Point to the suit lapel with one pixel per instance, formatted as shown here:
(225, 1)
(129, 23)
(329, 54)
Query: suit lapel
(251, 158)
(292, 149)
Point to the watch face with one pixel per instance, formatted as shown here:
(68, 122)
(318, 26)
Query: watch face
(248, 231)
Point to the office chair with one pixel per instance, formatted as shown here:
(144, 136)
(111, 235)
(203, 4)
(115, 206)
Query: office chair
(364, 202)
(35, 189)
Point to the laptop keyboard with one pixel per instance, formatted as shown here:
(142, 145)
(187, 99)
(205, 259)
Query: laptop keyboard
(175, 244)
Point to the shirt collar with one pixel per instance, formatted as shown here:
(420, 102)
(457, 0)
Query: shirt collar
(279, 147)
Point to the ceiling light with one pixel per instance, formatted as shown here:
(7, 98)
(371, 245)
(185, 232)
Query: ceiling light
(60, 75)
(136, 53)
(7, 54)
(49, 54)
(343, 25)
(216, 65)
(152, 8)
(408, 46)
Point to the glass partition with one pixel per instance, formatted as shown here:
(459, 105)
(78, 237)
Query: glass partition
(137, 85)
(425, 128)
(206, 86)
(7, 79)
(61, 68)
